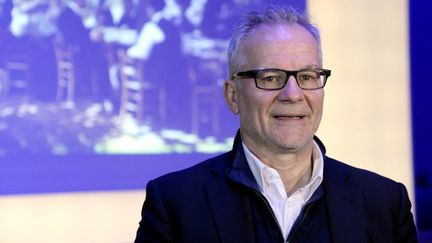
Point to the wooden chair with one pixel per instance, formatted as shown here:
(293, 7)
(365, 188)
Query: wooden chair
(139, 98)
(65, 72)
(17, 73)
(205, 97)
(4, 80)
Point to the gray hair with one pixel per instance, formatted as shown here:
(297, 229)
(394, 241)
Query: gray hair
(270, 15)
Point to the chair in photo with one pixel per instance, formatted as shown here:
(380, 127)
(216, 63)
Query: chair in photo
(205, 96)
(65, 72)
(17, 73)
(139, 98)
(4, 80)
(132, 86)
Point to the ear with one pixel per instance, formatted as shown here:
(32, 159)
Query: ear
(230, 95)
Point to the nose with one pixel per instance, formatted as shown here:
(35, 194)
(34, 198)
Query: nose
(291, 92)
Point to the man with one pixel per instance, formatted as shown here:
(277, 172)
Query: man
(276, 184)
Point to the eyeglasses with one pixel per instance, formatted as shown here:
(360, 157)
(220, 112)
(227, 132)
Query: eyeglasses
(275, 79)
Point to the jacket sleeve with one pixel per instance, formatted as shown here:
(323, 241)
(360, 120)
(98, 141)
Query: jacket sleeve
(406, 230)
(154, 225)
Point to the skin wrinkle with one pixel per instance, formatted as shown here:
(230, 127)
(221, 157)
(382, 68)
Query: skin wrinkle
(279, 141)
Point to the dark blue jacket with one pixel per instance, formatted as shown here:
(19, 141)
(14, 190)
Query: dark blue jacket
(211, 202)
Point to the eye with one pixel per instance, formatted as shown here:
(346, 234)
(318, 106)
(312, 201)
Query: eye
(270, 77)
(308, 75)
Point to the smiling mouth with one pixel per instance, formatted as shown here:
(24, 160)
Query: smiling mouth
(288, 118)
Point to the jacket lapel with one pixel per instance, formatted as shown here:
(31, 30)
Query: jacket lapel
(231, 212)
(345, 205)
(231, 208)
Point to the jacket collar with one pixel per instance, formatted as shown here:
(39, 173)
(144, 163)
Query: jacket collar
(344, 201)
(230, 207)
(240, 170)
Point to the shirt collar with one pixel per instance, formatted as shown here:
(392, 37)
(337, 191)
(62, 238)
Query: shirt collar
(258, 169)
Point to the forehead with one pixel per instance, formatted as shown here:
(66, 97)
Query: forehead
(279, 43)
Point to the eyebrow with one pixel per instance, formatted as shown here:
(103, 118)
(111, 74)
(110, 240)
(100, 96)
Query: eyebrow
(311, 66)
(305, 67)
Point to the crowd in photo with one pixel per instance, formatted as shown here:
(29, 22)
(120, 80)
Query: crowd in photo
(72, 50)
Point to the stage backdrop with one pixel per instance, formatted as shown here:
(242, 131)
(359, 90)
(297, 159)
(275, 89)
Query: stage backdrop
(77, 147)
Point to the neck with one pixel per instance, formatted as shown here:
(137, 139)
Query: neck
(295, 169)
(294, 174)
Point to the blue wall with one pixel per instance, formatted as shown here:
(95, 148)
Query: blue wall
(421, 88)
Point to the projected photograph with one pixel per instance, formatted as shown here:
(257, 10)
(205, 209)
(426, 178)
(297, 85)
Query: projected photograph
(115, 76)
(109, 94)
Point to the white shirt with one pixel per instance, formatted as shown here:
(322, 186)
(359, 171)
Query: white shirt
(286, 209)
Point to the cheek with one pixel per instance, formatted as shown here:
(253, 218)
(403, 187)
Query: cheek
(315, 101)
(247, 107)
(252, 107)
(317, 108)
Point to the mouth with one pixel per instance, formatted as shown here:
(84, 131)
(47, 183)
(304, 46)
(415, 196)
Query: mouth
(289, 117)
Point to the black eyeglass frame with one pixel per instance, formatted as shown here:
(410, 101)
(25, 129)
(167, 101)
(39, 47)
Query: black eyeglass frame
(253, 74)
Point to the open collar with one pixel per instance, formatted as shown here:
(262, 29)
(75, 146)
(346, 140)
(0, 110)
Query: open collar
(231, 209)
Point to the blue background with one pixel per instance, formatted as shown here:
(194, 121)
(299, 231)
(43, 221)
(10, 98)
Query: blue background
(421, 86)
(41, 169)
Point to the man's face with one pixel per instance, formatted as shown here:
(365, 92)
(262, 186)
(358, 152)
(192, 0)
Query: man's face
(280, 121)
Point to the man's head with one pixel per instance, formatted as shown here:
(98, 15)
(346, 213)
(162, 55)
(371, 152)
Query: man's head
(285, 118)
(271, 16)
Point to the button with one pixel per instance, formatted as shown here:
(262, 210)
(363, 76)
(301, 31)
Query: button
(268, 174)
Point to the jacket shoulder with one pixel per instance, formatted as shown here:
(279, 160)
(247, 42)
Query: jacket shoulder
(384, 202)
(375, 187)
(355, 174)
(197, 174)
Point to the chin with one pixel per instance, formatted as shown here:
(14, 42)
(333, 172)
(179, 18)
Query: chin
(293, 142)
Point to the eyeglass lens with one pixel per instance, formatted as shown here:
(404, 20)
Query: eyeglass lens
(276, 79)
